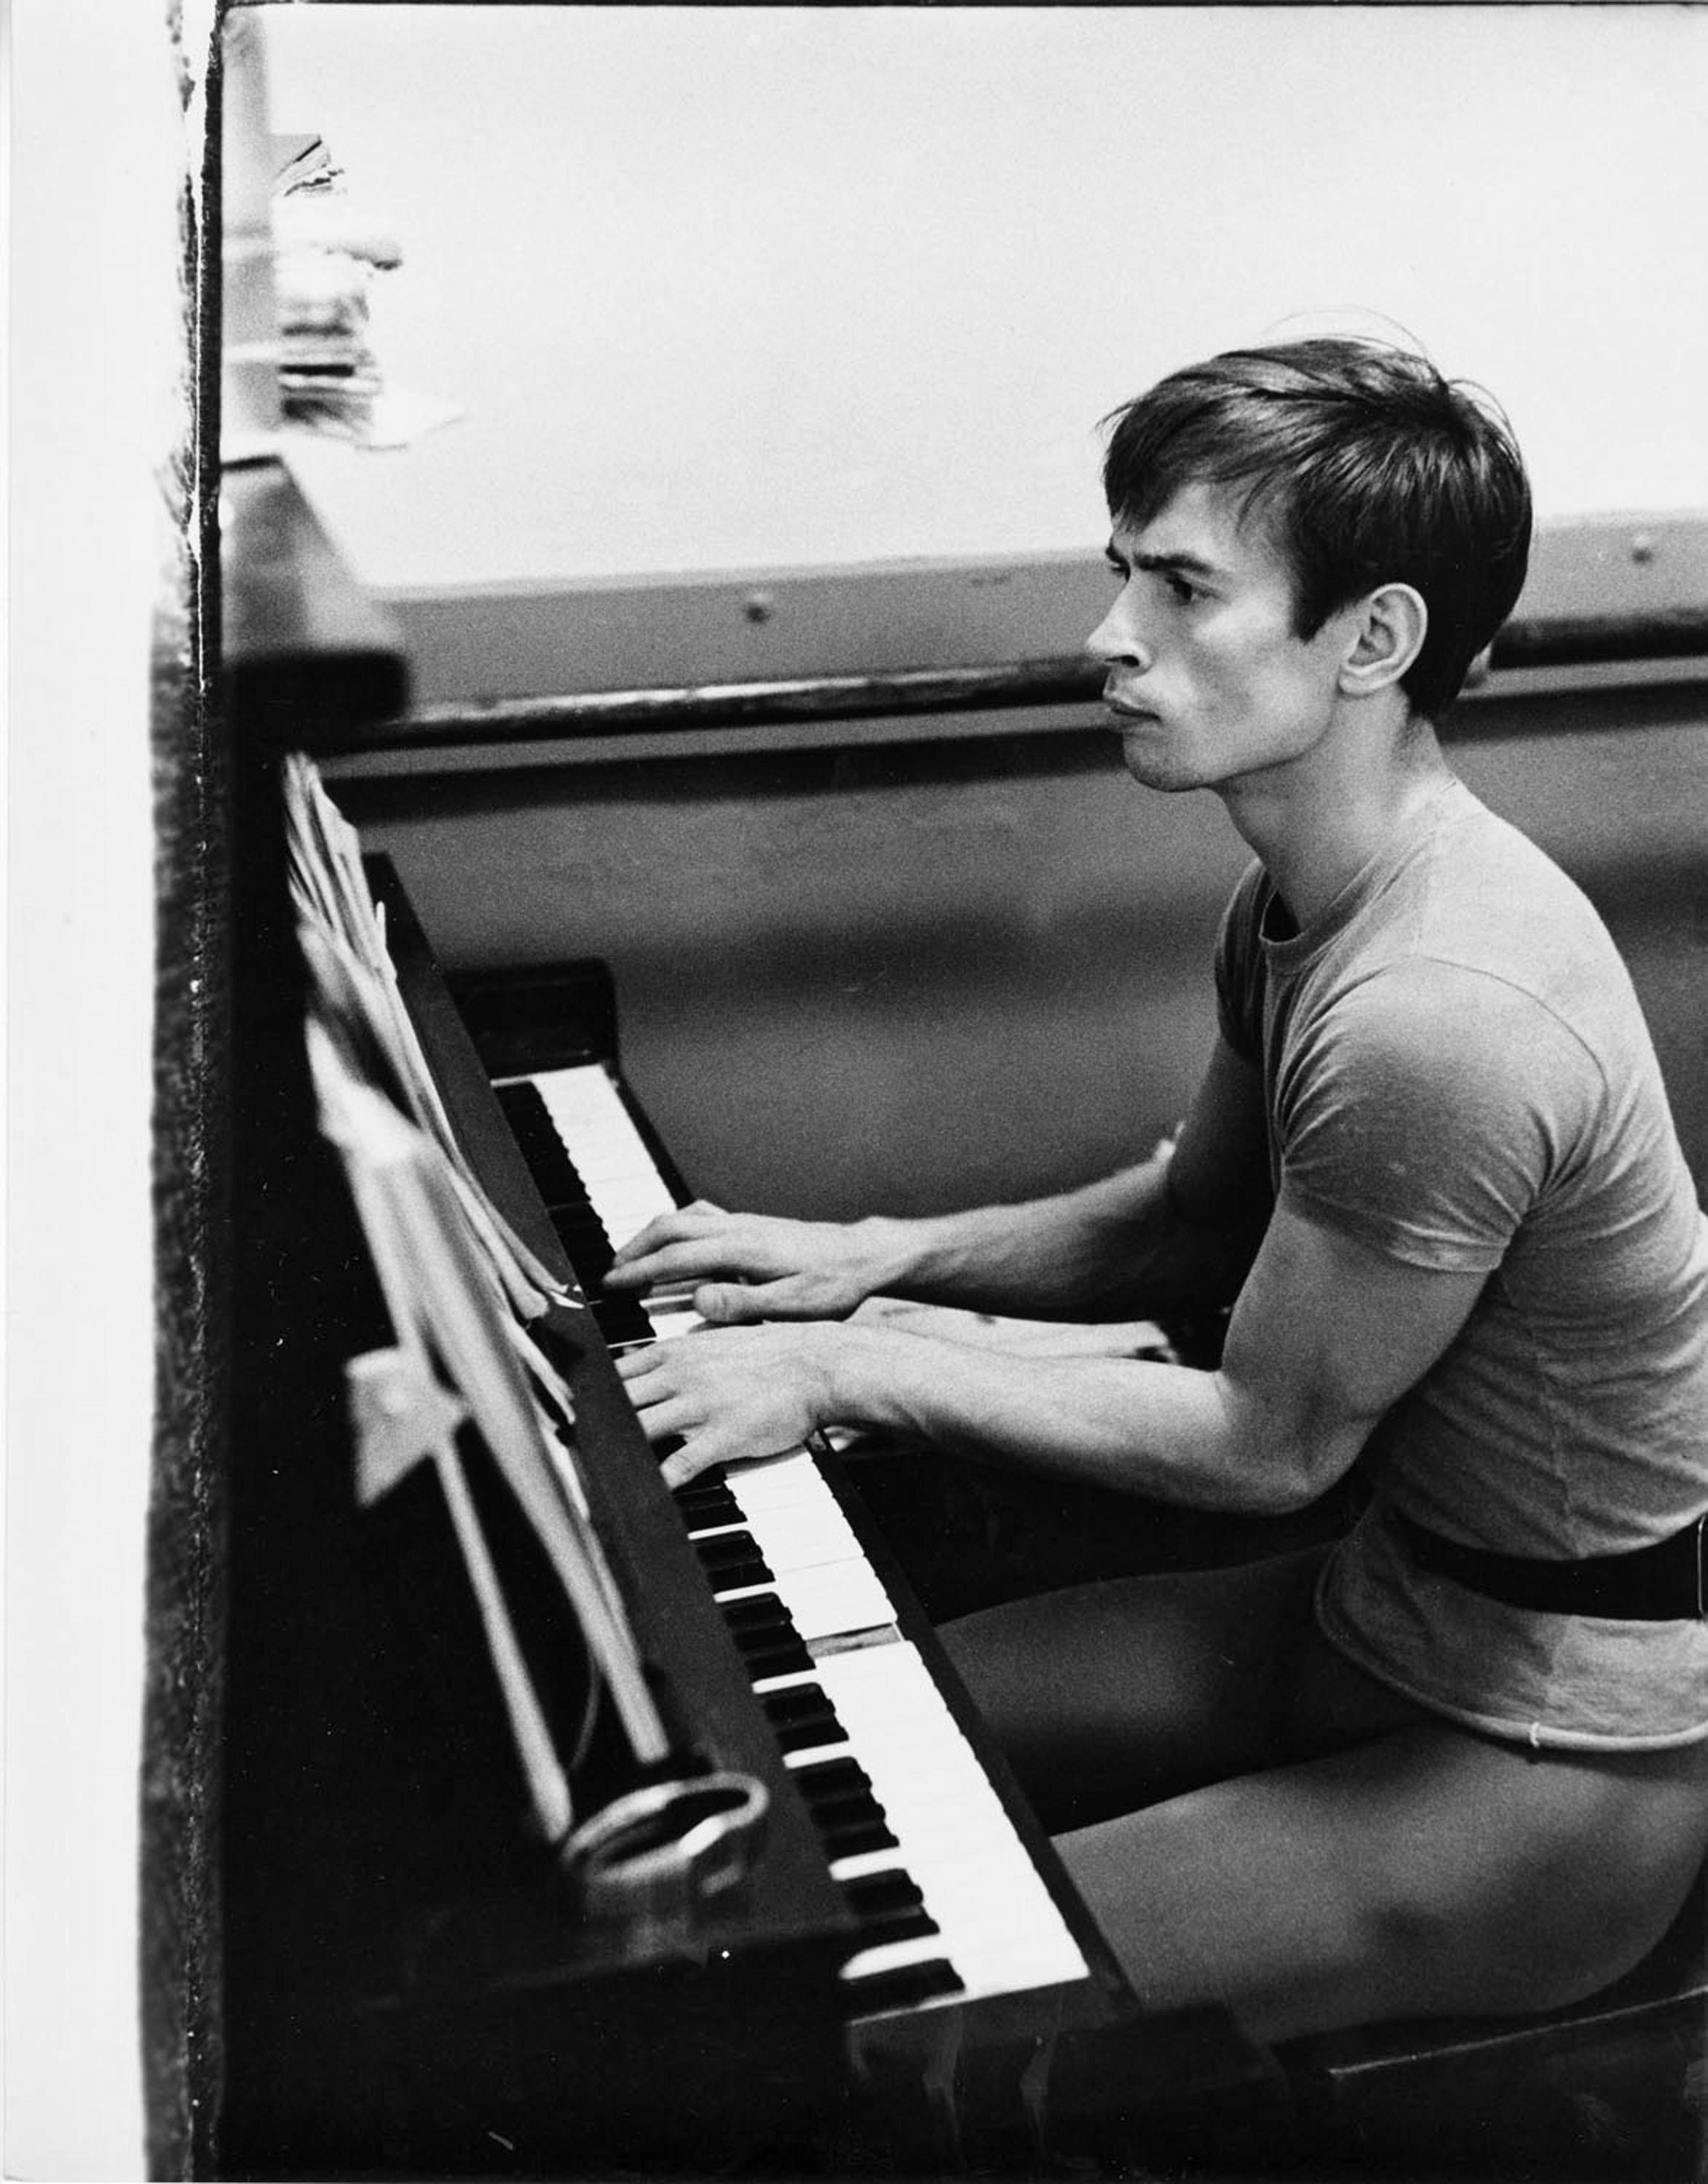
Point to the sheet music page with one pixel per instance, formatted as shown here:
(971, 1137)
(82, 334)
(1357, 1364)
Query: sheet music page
(458, 1285)
(342, 935)
(446, 1308)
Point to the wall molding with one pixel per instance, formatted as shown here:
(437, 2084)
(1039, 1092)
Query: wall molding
(510, 641)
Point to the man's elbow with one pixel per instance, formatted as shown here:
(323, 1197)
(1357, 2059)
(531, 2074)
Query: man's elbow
(1281, 1487)
(1281, 1471)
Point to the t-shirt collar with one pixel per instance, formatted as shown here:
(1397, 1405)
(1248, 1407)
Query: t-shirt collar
(1286, 951)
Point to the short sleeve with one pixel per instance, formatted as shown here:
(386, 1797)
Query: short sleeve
(1428, 1110)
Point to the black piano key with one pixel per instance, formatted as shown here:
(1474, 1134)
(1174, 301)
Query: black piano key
(799, 1702)
(618, 1318)
(785, 1657)
(763, 1611)
(831, 1778)
(536, 1134)
(703, 1497)
(851, 1837)
(702, 1512)
(878, 1895)
(709, 1486)
(837, 1818)
(768, 1639)
(901, 1986)
(804, 1706)
(914, 1924)
(803, 1736)
(575, 1221)
(800, 1717)
(739, 1577)
(717, 1550)
(590, 1249)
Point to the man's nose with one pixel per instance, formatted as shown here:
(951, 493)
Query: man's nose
(1115, 643)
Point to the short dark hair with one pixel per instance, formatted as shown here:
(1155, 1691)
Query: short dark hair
(1367, 467)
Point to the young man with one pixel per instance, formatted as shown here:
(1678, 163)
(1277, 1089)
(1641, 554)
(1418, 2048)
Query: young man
(1458, 1762)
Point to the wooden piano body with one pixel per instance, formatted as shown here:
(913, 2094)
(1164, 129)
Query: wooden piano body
(363, 1962)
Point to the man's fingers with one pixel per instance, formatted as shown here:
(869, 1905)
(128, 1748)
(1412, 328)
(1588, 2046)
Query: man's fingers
(739, 1304)
(679, 1262)
(686, 1463)
(730, 1304)
(668, 1418)
(686, 1224)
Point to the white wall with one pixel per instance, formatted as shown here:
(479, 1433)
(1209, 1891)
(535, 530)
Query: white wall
(94, 352)
(726, 288)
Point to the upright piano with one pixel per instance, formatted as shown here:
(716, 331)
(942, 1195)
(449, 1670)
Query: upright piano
(883, 1969)
(810, 1928)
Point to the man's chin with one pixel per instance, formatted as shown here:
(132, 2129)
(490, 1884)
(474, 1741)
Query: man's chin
(1152, 769)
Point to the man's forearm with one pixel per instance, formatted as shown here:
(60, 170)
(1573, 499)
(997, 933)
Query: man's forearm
(1122, 1244)
(1164, 1431)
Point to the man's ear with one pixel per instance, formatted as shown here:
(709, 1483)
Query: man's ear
(1389, 627)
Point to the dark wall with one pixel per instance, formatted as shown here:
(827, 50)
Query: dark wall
(913, 976)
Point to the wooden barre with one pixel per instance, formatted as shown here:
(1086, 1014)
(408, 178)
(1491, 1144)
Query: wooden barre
(1068, 679)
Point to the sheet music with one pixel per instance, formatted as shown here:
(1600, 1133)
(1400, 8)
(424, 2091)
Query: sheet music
(443, 1310)
(458, 1286)
(342, 932)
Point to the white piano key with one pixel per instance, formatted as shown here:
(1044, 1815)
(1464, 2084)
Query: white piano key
(772, 1482)
(798, 1538)
(671, 1320)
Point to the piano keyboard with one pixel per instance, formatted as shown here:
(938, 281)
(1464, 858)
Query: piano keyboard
(983, 1923)
(600, 1185)
(949, 1904)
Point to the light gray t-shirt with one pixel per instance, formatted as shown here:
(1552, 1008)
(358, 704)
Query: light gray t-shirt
(1457, 1075)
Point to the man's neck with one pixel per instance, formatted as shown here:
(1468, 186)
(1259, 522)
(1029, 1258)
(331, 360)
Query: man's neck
(1317, 823)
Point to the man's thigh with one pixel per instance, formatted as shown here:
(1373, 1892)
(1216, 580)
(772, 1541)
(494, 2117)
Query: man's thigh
(1426, 1872)
(1111, 1696)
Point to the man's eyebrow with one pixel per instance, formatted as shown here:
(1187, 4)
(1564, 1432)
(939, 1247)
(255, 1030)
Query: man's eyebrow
(1185, 563)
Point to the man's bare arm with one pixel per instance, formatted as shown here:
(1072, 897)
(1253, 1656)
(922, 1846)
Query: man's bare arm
(1179, 1229)
(1326, 1335)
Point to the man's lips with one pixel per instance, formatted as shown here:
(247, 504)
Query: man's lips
(1124, 711)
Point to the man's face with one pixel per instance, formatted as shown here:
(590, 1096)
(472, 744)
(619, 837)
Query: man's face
(1208, 683)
